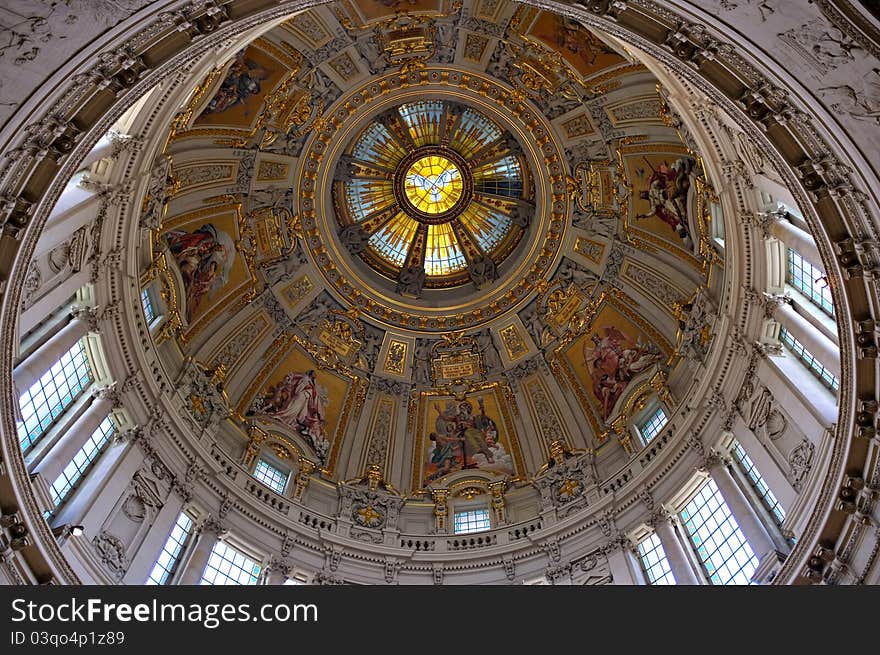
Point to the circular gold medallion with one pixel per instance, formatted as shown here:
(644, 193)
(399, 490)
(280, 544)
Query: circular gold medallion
(433, 184)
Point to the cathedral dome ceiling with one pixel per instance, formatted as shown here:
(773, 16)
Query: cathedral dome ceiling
(346, 271)
(434, 208)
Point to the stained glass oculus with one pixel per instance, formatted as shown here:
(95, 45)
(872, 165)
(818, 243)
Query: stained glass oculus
(433, 184)
(431, 191)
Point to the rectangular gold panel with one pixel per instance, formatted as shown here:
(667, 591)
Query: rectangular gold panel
(395, 358)
(513, 342)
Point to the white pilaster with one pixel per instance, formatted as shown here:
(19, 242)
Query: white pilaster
(819, 346)
(678, 560)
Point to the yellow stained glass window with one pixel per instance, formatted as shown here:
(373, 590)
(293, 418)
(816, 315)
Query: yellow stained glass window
(433, 184)
(392, 241)
(367, 196)
(423, 174)
(443, 254)
(487, 225)
(424, 120)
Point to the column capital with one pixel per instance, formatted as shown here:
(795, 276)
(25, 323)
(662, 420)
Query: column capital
(89, 315)
(214, 526)
(109, 392)
(762, 221)
(708, 458)
(279, 564)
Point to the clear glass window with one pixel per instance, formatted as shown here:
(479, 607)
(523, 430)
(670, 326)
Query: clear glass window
(654, 561)
(169, 558)
(814, 365)
(147, 302)
(653, 425)
(84, 459)
(758, 483)
(228, 566)
(47, 398)
(475, 520)
(810, 281)
(721, 547)
(271, 476)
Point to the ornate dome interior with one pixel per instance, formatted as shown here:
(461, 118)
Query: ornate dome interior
(356, 273)
(436, 218)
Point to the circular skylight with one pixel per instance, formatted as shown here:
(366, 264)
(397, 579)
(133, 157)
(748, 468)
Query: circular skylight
(430, 194)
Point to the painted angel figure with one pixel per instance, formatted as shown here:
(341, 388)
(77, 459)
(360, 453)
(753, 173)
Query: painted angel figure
(612, 361)
(299, 402)
(666, 193)
(204, 258)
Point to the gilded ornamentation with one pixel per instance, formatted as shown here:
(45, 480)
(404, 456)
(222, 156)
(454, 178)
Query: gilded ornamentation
(513, 342)
(592, 250)
(395, 358)
(272, 171)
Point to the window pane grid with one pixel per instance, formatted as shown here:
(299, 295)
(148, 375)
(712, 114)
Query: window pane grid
(171, 551)
(227, 566)
(471, 521)
(654, 561)
(147, 302)
(270, 476)
(48, 397)
(652, 427)
(720, 545)
(816, 368)
(810, 281)
(758, 483)
(84, 459)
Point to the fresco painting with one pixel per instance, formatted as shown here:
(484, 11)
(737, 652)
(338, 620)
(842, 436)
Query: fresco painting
(608, 357)
(586, 53)
(240, 97)
(374, 9)
(661, 183)
(464, 434)
(304, 399)
(210, 267)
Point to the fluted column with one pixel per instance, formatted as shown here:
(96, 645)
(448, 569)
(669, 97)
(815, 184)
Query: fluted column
(742, 510)
(797, 239)
(675, 554)
(208, 535)
(63, 450)
(41, 360)
(819, 346)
